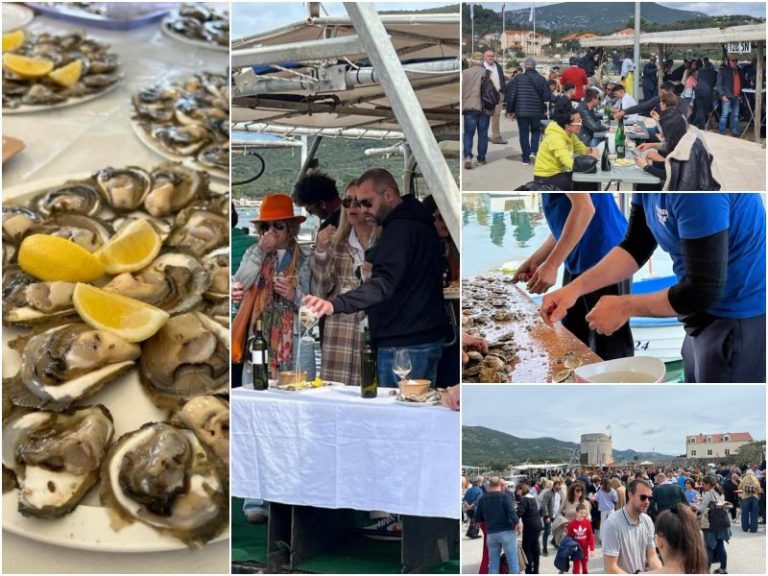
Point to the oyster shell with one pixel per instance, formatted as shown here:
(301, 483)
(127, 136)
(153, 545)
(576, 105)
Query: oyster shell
(17, 223)
(56, 457)
(78, 197)
(217, 265)
(188, 357)
(199, 230)
(36, 302)
(67, 363)
(162, 227)
(164, 476)
(183, 140)
(208, 418)
(174, 188)
(88, 232)
(124, 189)
(174, 282)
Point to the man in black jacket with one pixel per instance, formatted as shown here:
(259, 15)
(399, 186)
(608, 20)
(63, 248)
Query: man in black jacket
(526, 97)
(499, 82)
(706, 80)
(589, 121)
(652, 105)
(404, 297)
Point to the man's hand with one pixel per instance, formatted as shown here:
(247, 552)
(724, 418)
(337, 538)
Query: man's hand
(543, 279)
(654, 156)
(609, 314)
(724, 98)
(469, 341)
(366, 271)
(268, 242)
(595, 153)
(452, 398)
(511, 115)
(319, 306)
(556, 305)
(641, 161)
(618, 115)
(324, 237)
(525, 271)
(284, 288)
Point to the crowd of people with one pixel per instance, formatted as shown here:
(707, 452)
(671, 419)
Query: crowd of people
(560, 119)
(379, 263)
(666, 520)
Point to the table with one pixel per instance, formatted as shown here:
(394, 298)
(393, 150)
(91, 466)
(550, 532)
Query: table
(751, 120)
(82, 138)
(329, 448)
(630, 174)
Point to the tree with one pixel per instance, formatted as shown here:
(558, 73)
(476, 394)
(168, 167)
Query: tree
(636, 458)
(752, 453)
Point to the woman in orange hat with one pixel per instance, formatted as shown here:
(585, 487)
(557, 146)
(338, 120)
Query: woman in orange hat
(278, 270)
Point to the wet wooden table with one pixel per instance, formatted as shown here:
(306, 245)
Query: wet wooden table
(536, 352)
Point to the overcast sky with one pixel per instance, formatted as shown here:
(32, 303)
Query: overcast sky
(641, 417)
(256, 17)
(712, 8)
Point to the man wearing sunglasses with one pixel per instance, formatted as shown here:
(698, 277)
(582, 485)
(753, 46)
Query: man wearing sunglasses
(628, 534)
(317, 193)
(404, 297)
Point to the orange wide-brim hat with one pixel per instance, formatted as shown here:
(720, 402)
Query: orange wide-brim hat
(277, 207)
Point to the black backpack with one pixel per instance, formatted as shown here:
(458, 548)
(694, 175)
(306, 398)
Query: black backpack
(489, 96)
(719, 519)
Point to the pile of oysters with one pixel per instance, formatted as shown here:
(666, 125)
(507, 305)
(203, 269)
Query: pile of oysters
(58, 442)
(188, 119)
(201, 23)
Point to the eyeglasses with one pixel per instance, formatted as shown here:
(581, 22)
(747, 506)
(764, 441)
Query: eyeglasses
(576, 123)
(644, 497)
(265, 226)
(365, 203)
(350, 201)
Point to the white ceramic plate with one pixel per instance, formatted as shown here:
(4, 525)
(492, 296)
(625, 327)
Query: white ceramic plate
(27, 109)
(188, 161)
(165, 27)
(15, 16)
(88, 526)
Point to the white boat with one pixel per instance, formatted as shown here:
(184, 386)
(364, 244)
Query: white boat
(661, 338)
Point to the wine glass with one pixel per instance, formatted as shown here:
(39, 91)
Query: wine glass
(308, 319)
(402, 363)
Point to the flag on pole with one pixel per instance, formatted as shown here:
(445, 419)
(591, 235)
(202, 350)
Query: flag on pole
(502, 17)
(530, 17)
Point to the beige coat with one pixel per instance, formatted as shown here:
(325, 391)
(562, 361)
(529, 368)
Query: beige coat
(470, 88)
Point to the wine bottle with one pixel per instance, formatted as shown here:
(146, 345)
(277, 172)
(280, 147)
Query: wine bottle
(605, 161)
(368, 374)
(259, 359)
(621, 149)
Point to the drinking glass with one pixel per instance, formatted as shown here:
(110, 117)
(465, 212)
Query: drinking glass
(308, 319)
(402, 364)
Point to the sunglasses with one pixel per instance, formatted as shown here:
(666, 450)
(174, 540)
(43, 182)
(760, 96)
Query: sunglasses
(365, 203)
(350, 201)
(265, 226)
(644, 497)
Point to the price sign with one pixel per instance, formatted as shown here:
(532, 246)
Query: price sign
(739, 47)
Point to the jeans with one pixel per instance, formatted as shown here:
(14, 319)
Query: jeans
(545, 535)
(498, 541)
(749, 510)
(424, 361)
(718, 554)
(730, 106)
(476, 121)
(530, 132)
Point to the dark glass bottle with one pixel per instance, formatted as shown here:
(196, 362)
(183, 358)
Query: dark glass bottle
(621, 149)
(368, 369)
(259, 359)
(605, 161)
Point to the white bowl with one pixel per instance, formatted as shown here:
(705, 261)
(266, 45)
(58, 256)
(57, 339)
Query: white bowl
(639, 369)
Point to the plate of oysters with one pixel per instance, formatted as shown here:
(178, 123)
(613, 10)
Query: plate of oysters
(114, 439)
(47, 71)
(187, 120)
(199, 25)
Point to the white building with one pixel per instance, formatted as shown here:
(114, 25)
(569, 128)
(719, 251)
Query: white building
(524, 40)
(596, 450)
(715, 445)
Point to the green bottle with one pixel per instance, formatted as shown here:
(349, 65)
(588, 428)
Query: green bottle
(621, 149)
(368, 369)
(259, 359)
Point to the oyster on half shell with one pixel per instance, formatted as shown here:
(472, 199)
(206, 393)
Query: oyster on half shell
(164, 476)
(208, 418)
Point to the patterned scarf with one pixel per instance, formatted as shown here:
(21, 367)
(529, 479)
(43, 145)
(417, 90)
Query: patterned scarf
(276, 313)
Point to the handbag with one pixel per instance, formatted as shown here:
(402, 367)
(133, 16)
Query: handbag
(584, 164)
(718, 516)
(240, 325)
(522, 560)
(473, 531)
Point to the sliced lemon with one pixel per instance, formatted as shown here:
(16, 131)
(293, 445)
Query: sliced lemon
(131, 319)
(26, 67)
(13, 40)
(69, 74)
(133, 248)
(51, 258)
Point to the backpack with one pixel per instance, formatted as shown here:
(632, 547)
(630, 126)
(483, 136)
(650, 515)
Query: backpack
(489, 96)
(718, 516)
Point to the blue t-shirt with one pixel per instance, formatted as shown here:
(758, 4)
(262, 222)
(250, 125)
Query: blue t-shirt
(605, 230)
(672, 217)
(472, 494)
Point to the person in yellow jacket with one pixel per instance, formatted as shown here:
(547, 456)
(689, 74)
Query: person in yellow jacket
(554, 161)
(749, 491)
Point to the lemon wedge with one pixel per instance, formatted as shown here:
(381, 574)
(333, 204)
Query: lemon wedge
(13, 40)
(131, 319)
(51, 258)
(69, 74)
(133, 248)
(26, 67)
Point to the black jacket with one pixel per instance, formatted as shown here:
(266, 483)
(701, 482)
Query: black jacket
(404, 297)
(725, 81)
(694, 174)
(707, 76)
(502, 80)
(589, 123)
(528, 511)
(526, 94)
(497, 510)
(647, 106)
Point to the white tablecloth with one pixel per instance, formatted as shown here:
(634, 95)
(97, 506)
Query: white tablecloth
(82, 138)
(330, 448)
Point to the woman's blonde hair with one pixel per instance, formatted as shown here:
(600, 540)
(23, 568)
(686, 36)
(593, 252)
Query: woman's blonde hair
(345, 228)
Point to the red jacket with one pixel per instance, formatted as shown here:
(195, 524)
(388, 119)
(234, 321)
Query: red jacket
(577, 77)
(581, 531)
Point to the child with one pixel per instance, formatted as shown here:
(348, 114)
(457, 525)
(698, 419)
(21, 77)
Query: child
(580, 530)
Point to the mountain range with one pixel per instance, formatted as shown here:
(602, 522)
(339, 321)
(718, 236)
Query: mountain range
(481, 446)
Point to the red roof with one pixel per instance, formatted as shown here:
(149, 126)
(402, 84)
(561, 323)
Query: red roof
(717, 438)
(588, 35)
(570, 37)
(625, 32)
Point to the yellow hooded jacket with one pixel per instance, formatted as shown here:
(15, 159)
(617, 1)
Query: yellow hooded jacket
(555, 155)
(750, 487)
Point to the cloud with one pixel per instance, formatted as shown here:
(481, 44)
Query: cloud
(756, 9)
(652, 431)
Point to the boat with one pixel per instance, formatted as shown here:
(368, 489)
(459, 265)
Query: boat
(658, 337)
